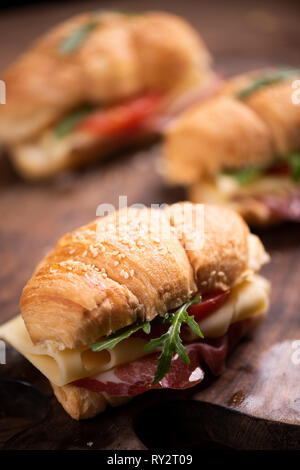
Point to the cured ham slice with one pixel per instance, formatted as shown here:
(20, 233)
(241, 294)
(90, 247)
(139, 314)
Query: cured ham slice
(284, 207)
(136, 377)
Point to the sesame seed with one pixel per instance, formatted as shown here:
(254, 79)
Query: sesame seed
(93, 250)
(124, 274)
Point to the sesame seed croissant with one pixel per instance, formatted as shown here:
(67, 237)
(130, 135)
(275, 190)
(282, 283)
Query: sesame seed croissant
(133, 265)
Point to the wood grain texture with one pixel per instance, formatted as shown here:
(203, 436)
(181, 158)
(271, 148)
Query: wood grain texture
(256, 403)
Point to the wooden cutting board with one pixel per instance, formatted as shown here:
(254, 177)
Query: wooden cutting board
(255, 404)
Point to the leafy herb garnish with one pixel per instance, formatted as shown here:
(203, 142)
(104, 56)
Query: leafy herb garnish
(112, 340)
(70, 122)
(245, 175)
(72, 42)
(294, 163)
(267, 79)
(76, 38)
(170, 342)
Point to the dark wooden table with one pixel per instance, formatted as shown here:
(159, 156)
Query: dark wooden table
(256, 403)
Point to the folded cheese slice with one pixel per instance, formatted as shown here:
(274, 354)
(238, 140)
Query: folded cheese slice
(64, 366)
(224, 188)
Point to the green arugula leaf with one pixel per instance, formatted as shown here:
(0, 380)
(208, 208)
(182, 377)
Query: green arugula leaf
(75, 39)
(268, 79)
(294, 163)
(72, 120)
(147, 328)
(170, 342)
(245, 175)
(110, 341)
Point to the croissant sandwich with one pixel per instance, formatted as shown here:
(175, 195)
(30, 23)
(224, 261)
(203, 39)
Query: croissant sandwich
(242, 147)
(98, 82)
(139, 300)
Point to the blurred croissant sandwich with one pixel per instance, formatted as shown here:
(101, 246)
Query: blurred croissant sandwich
(242, 148)
(95, 83)
(139, 300)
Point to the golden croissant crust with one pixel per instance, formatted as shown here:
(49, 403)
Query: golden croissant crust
(222, 133)
(133, 265)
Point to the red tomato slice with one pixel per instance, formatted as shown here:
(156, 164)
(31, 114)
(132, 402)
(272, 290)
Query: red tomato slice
(122, 118)
(210, 303)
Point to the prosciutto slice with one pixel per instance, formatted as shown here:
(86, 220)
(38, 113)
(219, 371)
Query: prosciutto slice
(285, 207)
(136, 377)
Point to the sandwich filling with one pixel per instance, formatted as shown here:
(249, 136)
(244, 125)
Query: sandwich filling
(276, 187)
(272, 189)
(168, 353)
